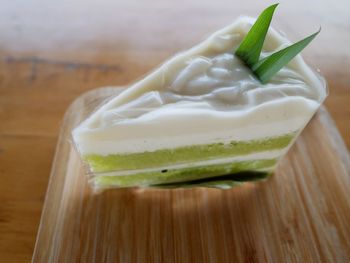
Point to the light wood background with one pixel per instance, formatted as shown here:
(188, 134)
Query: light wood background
(53, 51)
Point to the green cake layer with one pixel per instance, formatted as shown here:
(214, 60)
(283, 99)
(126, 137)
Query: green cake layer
(159, 158)
(181, 175)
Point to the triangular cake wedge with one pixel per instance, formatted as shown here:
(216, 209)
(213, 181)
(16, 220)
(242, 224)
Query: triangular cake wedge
(201, 115)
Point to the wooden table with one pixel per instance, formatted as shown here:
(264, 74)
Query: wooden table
(51, 52)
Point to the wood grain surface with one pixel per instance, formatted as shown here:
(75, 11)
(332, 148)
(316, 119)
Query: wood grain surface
(53, 51)
(301, 214)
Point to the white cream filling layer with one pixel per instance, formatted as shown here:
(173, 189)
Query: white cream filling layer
(182, 128)
(249, 157)
(202, 96)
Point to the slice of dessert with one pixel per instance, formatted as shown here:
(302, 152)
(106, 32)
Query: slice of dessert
(214, 115)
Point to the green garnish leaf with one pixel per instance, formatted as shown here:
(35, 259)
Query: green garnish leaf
(250, 49)
(251, 46)
(270, 65)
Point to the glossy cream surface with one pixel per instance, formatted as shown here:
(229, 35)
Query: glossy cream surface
(205, 95)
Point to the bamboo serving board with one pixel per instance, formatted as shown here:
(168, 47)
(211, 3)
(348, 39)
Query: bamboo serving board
(301, 214)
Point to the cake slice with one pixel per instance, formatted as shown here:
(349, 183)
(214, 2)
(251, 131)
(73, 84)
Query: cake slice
(203, 118)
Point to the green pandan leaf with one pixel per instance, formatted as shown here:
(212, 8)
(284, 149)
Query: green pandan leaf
(251, 46)
(269, 66)
(250, 49)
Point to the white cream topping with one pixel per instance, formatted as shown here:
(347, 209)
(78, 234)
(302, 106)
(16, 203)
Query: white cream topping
(205, 95)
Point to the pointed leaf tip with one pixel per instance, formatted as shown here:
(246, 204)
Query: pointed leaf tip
(251, 46)
(269, 66)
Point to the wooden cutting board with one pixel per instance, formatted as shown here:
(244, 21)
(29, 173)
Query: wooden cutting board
(301, 214)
